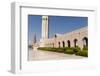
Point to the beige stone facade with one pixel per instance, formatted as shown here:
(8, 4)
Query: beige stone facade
(75, 38)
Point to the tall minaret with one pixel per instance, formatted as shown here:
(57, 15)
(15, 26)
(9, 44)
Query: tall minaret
(44, 31)
(44, 27)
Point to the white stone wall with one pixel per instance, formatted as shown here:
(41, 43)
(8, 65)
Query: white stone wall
(78, 34)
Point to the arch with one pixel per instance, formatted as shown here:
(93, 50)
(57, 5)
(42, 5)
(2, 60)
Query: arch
(63, 43)
(75, 42)
(59, 44)
(68, 42)
(85, 42)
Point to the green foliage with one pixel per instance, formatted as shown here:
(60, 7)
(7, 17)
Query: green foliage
(85, 48)
(52, 49)
(76, 49)
(82, 53)
(69, 51)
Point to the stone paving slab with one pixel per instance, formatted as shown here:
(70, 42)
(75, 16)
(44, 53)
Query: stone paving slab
(47, 55)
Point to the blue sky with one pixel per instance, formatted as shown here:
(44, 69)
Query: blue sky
(57, 24)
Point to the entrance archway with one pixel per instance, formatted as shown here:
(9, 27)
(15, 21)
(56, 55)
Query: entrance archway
(68, 42)
(63, 44)
(75, 42)
(85, 42)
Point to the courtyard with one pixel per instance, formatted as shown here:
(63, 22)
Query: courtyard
(48, 55)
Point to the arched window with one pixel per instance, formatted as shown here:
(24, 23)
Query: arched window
(59, 44)
(75, 42)
(85, 42)
(68, 42)
(63, 44)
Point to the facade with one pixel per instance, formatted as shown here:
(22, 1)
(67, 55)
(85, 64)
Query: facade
(75, 38)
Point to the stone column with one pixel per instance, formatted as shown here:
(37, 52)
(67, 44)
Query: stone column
(44, 31)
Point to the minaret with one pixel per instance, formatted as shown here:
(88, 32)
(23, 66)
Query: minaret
(44, 27)
(44, 31)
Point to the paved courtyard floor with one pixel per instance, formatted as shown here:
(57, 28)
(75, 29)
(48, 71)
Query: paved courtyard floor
(47, 55)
